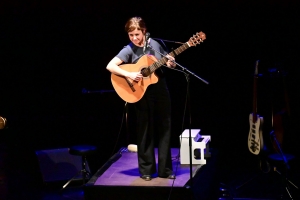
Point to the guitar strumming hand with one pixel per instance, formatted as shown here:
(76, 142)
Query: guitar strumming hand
(135, 76)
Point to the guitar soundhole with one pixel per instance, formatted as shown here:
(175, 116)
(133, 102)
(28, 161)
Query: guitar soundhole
(145, 72)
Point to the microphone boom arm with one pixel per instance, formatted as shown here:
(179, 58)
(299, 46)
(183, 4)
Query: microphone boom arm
(168, 41)
(183, 68)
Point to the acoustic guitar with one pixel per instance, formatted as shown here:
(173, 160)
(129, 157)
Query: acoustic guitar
(255, 139)
(132, 91)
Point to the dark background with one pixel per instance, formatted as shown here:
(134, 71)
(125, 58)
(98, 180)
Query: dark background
(53, 50)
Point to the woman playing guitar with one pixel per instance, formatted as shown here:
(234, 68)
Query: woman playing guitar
(154, 107)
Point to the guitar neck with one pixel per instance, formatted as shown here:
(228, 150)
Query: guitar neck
(254, 100)
(163, 60)
(255, 92)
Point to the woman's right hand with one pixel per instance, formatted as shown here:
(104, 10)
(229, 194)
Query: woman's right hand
(136, 76)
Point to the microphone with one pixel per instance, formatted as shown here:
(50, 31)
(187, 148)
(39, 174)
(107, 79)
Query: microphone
(147, 35)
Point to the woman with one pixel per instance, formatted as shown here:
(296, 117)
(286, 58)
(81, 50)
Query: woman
(153, 110)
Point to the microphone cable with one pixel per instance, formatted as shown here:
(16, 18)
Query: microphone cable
(120, 129)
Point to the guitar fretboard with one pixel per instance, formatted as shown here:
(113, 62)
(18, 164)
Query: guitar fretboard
(163, 60)
(255, 92)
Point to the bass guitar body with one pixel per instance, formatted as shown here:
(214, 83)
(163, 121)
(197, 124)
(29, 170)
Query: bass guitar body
(255, 138)
(132, 91)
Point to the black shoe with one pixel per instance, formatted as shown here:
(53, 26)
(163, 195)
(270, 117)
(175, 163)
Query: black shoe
(146, 177)
(171, 176)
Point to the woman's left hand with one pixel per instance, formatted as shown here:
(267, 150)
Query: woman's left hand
(170, 62)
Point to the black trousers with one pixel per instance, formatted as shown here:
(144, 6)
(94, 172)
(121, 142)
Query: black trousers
(153, 114)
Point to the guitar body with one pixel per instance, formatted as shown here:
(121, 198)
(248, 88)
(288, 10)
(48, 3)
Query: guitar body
(255, 139)
(138, 89)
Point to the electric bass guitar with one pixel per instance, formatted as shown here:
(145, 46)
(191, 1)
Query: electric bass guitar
(132, 91)
(255, 139)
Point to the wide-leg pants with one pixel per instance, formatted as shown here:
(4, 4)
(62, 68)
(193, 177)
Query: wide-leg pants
(153, 114)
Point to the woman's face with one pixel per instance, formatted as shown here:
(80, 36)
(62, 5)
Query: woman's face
(137, 37)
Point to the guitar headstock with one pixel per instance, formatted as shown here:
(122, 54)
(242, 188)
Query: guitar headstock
(197, 39)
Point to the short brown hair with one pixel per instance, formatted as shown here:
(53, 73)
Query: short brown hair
(135, 23)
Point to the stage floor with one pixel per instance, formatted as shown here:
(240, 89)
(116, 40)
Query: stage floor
(124, 172)
(120, 174)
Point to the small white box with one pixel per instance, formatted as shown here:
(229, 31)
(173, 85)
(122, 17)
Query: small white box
(199, 143)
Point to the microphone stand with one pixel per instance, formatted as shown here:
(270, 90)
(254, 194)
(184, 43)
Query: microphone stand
(184, 70)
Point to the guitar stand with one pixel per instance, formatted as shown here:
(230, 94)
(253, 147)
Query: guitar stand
(285, 182)
(254, 177)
